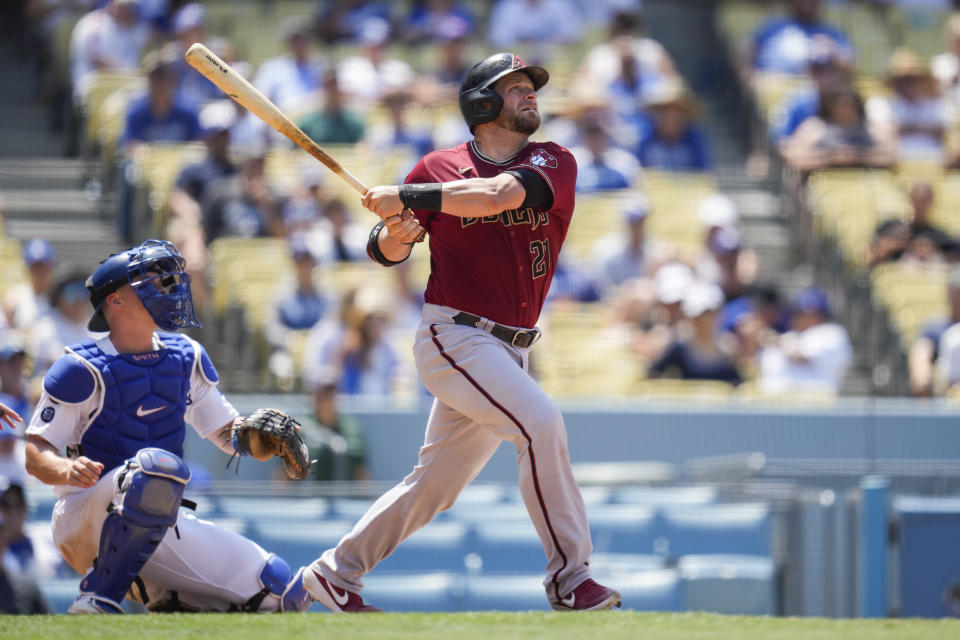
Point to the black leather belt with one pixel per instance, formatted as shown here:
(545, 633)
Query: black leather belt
(517, 337)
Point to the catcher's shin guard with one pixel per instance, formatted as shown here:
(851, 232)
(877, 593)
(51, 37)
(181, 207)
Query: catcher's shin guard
(152, 487)
(277, 579)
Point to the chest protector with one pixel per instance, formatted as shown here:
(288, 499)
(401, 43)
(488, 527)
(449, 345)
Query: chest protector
(145, 396)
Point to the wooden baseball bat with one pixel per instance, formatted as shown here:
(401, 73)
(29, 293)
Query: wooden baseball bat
(235, 86)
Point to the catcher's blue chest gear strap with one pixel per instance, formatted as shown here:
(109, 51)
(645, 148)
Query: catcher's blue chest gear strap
(152, 485)
(145, 396)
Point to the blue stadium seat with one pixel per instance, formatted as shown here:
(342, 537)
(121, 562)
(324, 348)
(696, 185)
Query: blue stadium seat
(273, 509)
(654, 590)
(623, 528)
(439, 546)
(301, 543)
(612, 564)
(506, 547)
(60, 592)
(733, 584)
(505, 593)
(40, 501)
(665, 496)
(479, 512)
(237, 525)
(722, 528)
(428, 592)
(592, 494)
(349, 508)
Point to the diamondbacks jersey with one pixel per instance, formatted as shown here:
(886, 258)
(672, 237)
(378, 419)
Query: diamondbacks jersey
(499, 266)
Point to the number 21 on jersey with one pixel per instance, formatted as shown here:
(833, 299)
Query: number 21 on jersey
(541, 257)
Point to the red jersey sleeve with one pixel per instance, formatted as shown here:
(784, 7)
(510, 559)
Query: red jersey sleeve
(557, 166)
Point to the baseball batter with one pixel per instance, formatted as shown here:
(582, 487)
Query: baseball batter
(497, 210)
(117, 407)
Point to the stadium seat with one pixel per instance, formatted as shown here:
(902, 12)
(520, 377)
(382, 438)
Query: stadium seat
(653, 590)
(473, 512)
(614, 564)
(732, 584)
(745, 528)
(349, 508)
(505, 593)
(40, 501)
(299, 543)
(508, 547)
(623, 528)
(439, 546)
(60, 592)
(274, 509)
(421, 592)
(665, 496)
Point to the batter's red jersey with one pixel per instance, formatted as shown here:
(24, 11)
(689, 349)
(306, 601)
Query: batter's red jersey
(499, 266)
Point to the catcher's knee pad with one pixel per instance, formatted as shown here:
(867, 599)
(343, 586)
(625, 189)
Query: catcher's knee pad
(277, 579)
(151, 486)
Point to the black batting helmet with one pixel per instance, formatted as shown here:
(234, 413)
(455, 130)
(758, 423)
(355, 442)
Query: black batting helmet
(479, 103)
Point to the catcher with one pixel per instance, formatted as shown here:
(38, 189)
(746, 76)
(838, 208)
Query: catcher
(117, 408)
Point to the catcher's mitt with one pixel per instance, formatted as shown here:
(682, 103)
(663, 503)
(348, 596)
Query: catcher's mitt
(268, 432)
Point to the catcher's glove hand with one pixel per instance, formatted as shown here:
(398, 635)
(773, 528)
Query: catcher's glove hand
(271, 432)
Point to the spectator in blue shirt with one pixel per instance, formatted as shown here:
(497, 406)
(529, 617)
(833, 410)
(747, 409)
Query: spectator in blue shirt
(698, 356)
(826, 67)
(601, 166)
(782, 44)
(433, 19)
(675, 143)
(155, 117)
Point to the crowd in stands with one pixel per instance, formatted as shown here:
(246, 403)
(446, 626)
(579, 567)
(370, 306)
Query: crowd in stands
(620, 105)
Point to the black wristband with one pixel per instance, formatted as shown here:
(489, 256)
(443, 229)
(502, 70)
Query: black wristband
(423, 197)
(373, 247)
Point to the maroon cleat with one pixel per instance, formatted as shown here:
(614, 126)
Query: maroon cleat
(588, 596)
(332, 597)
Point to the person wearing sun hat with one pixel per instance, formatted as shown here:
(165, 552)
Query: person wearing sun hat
(915, 115)
(675, 142)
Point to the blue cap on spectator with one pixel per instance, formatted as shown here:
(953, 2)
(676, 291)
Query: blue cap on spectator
(811, 299)
(725, 240)
(734, 311)
(636, 207)
(298, 247)
(216, 117)
(373, 32)
(10, 345)
(189, 17)
(38, 250)
(453, 27)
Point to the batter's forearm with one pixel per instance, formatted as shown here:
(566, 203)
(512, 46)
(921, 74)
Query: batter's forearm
(480, 197)
(391, 248)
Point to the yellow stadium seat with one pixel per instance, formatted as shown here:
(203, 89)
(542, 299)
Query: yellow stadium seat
(672, 390)
(12, 271)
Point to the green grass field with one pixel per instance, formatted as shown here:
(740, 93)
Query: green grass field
(467, 626)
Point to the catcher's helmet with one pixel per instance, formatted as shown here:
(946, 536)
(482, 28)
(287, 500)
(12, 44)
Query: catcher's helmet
(479, 102)
(155, 271)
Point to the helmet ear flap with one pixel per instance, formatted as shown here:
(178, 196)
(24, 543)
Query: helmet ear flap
(483, 105)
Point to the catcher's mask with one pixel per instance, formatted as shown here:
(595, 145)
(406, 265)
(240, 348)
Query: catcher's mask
(155, 271)
(479, 102)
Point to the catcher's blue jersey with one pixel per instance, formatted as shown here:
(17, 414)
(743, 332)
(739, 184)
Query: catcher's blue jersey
(145, 396)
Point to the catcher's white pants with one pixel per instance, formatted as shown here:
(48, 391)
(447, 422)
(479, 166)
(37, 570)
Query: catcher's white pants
(484, 396)
(208, 566)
